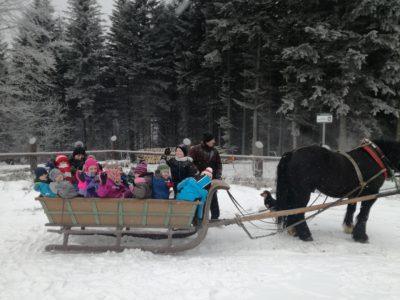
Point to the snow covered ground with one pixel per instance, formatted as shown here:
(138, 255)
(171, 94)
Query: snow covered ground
(226, 265)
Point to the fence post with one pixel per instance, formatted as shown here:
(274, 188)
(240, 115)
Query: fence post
(33, 149)
(258, 162)
(114, 146)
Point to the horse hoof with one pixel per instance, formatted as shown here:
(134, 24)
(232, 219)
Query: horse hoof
(306, 238)
(348, 228)
(362, 240)
(359, 233)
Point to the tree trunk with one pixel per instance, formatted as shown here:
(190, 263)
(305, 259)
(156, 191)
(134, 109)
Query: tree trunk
(398, 130)
(294, 134)
(183, 123)
(243, 131)
(342, 143)
(228, 109)
(256, 100)
(280, 141)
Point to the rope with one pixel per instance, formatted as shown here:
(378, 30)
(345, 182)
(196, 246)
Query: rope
(241, 210)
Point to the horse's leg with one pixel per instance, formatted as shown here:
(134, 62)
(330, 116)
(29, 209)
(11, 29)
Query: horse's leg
(302, 230)
(348, 218)
(359, 231)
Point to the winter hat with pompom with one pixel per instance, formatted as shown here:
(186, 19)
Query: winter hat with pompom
(141, 168)
(54, 173)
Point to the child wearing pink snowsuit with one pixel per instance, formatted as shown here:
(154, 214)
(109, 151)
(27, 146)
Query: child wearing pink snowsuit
(111, 185)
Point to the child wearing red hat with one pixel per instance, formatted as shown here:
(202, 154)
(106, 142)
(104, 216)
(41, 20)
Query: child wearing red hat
(62, 163)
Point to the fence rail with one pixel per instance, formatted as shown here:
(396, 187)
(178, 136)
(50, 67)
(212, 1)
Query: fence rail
(149, 156)
(37, 154)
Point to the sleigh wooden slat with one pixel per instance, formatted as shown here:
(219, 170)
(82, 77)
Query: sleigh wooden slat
(118, 212)
(174, 222)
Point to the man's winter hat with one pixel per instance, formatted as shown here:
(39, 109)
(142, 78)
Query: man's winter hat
(91, 162)
(208, 136)
(40, 171)
(54, 173)
(208, 171)
(141, 168)
(184, 149)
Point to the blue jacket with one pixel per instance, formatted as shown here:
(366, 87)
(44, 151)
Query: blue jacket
(191, 189)
(160, 188)
(44, 189)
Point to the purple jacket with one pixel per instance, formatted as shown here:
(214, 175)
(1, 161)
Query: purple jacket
(112, 190)
(92, 184)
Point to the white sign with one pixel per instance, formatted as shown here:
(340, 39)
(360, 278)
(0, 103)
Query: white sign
(324, 118)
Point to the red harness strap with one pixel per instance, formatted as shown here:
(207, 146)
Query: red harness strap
(376, 158)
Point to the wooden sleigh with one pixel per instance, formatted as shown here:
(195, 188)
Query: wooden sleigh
(173, 223)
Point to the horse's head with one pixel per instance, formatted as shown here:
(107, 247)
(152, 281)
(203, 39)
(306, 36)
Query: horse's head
(391, 150)
(269, 201)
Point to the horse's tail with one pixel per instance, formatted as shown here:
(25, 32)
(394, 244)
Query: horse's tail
(282, 183)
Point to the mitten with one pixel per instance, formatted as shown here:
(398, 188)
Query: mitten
(170, 184)
(103, 178)
(81, 176)
(167, 151)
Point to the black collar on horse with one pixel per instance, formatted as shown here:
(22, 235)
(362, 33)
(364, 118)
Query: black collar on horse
(361, 171)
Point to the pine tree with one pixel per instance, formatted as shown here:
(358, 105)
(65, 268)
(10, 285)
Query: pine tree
(141, 51)
(5, 133)
(337, 57)
(85, 59)
(30, 91)
(193, 90)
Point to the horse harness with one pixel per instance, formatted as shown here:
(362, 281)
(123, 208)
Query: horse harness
(377, 155)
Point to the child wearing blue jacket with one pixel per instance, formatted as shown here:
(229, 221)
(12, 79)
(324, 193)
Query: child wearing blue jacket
(162, 182)
(42, 183)
(192, 189)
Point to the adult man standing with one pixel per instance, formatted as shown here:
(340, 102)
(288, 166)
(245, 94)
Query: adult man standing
(206, 155)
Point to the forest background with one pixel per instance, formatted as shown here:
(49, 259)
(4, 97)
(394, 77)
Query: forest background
(158, 72)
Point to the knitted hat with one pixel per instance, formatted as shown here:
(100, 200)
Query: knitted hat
(163, 168)
(39, 172)
(91, 162)
(208, 136)
(61, 158)
(79, 150)
(208, 171)
(54, 173)
(141, 168)
(183, 148)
